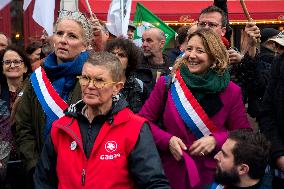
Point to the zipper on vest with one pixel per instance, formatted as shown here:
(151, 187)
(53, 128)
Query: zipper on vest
(83, 176)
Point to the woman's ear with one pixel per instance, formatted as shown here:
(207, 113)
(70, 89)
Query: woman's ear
(117, 87)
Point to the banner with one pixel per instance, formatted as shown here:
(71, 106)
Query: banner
(26, 4)
(118, 17)
(44, 14)
(145, 19)
(3, 3)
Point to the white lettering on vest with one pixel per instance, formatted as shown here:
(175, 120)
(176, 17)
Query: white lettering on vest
(109, 157)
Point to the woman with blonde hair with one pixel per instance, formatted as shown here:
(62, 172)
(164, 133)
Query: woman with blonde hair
(52, 86)
(199, 106)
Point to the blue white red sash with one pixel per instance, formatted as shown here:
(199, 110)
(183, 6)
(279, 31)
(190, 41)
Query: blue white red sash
(52, 104)
(190, 110)
(216, 186)
(275, 172)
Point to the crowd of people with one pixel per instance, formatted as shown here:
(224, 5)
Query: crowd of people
(85, 109)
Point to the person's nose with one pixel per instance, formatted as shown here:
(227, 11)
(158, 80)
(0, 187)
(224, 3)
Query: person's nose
(91, 84)
(12, 65)
(217, 156)
(206, 26)
(42, 38)
(144, 44)
(63, 38)
(192, 55)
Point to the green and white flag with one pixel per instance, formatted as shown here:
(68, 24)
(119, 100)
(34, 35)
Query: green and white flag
(145, 19)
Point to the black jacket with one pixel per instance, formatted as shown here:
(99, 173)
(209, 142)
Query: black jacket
(144, 152)
(271, 116)
(5, 138)
(256, 87)
(147, 72)
(173, 54)
(135, 93)
(243, 74)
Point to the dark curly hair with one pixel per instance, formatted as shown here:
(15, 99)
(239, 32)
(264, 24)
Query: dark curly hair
(32, 47)
(3, 80)
(134, 54)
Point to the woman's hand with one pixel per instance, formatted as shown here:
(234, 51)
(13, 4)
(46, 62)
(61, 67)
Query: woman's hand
(203, 146)
(176, 146)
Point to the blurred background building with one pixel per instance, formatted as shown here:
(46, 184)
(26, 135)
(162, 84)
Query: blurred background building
(22, 29)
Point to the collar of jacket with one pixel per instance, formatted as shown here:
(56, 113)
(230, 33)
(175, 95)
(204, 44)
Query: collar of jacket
(75, 110)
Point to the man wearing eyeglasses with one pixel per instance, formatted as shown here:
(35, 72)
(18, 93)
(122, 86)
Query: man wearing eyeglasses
(242, 64)
(214, 18)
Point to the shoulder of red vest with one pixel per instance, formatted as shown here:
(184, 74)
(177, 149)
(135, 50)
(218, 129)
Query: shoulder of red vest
(132, 116)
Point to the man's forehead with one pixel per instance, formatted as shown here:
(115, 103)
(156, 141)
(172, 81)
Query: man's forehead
(149, 34)
(228, 145)
(210, 16)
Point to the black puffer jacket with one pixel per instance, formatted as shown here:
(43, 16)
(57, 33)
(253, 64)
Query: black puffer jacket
(147, 72)
(243, 74)
(256, 88)
(271, 116)
(135, 93)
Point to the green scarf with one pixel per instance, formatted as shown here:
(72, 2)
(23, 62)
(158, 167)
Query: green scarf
(201, 85)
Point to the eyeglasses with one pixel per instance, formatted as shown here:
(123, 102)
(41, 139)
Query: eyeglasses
(84, 81)
(209, 24)
(16, 63)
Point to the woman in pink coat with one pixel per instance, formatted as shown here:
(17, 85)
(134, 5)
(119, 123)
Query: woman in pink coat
(198, 109)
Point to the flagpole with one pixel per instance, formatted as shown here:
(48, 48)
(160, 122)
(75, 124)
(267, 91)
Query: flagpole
(89, 7)
(121, 12)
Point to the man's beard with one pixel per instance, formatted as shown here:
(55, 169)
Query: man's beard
(148, 54)
(230, 178)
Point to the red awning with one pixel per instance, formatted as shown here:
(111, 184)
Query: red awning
(187, 10)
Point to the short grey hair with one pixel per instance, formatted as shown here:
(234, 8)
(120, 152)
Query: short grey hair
(109, 61)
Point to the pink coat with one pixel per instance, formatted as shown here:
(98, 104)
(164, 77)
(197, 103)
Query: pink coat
(230, 117)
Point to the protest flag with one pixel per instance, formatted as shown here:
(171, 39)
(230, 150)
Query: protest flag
(118, 17)
(145, 19)
(4, 3)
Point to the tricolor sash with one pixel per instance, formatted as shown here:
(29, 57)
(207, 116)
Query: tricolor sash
(216, 186)
(52, 104)
(190, 110)
(275, 172)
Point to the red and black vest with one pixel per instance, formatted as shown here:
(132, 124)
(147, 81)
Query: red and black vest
(107, 166)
